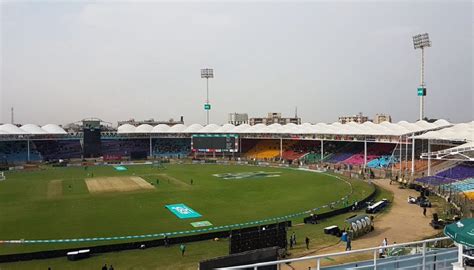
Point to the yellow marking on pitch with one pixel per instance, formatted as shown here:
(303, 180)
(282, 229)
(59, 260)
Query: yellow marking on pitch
(117, 184)
(55, 189)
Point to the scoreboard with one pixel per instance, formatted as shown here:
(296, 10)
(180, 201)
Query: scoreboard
(214, 143)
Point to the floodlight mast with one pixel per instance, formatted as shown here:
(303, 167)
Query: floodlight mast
(420, 42)
(207, 73)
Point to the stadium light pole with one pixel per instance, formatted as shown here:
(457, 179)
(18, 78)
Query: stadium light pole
(207, 73)
(422, 41)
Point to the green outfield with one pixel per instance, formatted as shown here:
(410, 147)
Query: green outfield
(57, 203)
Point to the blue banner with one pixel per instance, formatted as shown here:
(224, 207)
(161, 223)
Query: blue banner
(182, 211)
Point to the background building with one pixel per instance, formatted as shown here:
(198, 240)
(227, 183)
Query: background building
(151, 122)
(238, 119)
(273, 118)
(379, 118)
(359, 118)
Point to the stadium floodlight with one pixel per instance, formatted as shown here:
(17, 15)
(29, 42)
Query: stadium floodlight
(207, 73)
(422, 41)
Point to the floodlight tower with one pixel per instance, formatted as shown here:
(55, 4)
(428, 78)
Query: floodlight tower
(207, 73)
(420, 42)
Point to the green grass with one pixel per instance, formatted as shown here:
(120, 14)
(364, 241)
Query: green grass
(153, 258)
(170, 257)
(28, 213)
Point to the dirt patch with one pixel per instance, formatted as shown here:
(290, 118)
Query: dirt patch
(55, 189)
(174, 181)
(117, 184)
(403, 223)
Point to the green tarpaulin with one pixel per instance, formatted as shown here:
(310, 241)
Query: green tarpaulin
(462, 232)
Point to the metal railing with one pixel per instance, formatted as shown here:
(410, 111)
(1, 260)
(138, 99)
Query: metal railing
(316, 259)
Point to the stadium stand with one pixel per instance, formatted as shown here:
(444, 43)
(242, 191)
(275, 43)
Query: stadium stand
(129, 147)
(466, 185)
(341, 152)
(171, 148)
(374, 151)
(267, 149)
(358, 159)
(300, 149)
(449, 176)
(312, 158)
(382, 162)
(459, 172)
(292, 155)
(15, 152)
(420, 165)
(379, 149)
(60, 149)
(339, 157)
(247, 145)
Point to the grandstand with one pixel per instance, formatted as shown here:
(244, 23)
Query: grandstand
(171, 148)
(270, 149)
(58, 149)
(379, 155)
(125, 147)
(451, 175)
(465, 186)
(382, 162)
(300, 149)
(332, 143)
(17, 152)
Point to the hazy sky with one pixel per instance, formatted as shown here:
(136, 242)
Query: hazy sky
(62, 62)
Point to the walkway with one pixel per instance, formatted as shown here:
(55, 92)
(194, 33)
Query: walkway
(403, 223)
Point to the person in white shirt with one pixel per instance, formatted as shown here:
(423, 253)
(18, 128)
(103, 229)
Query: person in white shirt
(383, 250)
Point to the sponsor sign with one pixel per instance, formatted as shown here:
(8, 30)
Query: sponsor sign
(120, 168)
(201, 224)
(182, 211)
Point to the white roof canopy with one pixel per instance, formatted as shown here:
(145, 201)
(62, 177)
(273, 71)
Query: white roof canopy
(31, 129)
(459, 132)
(367, 128)
(440, 129)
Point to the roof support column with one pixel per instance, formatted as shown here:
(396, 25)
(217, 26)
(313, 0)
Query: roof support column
(400, 155)
(460, 257)
(151, 148)
(281, 148)
(429, 158)
(365, 152)
(406, 154)
(240, 145)
(413, 155)
(322, 150)
(28, 149)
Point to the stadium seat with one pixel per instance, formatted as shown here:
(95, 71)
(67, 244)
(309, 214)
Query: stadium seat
(451, 176)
